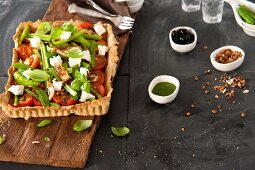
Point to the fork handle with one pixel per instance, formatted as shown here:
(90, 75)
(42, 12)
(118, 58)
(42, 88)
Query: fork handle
(73, 8)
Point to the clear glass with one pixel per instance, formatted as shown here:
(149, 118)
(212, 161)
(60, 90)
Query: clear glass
(191, 5)
(212, 10)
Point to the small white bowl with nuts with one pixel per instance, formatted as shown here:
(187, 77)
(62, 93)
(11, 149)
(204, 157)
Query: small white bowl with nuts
(227, 58)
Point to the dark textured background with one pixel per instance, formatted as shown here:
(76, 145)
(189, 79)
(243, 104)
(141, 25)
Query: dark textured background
(223, 141)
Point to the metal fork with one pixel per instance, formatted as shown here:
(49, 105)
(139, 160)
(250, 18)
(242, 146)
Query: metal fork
(122, 22)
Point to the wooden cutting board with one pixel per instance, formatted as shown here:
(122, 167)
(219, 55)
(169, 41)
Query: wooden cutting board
(66, 148)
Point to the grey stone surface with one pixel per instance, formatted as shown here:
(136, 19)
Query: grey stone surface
(222, 141)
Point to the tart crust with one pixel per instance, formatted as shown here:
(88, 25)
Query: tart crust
(89, 108)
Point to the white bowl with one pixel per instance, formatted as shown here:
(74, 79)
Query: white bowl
(135, 6)
(164, 99)
(134, 2)
(183, 48)
(229, 66)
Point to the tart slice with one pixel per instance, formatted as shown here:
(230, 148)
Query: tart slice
(60, 68)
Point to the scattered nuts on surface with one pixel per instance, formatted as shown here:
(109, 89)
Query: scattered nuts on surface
(207, 83)
(183, 129)
(242, 115)
(196, 78)
(246, 91)
(203, 87)
(207, 72)
(216, 96)
(219, 106)
(230, 94)
(187, 114)
(192, 105)
(214, 111)
(205, 47)
(35, 142)
(207, 91)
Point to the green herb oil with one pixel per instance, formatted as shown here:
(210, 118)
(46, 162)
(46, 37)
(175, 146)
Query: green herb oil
(163, 89)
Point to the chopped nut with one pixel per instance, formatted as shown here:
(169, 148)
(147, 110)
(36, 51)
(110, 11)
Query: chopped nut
(183, 129)
(214, 111)
(207, 72)
(219, 106)
(207, 91)
(205, 47)
(35, 142)
(207, 83)
(230, 94)
(242, 114)
(246, 91)
(187, 114)
(196, 78)
(216, 96)
(203, 87)
(228, 56)
(192, 105)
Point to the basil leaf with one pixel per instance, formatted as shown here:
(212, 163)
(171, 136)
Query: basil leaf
(38, 75)
(68, 27)
(55, 33)
(120, 131)
(46, 139)
(43, 97)
(82, 125)
(43, 28)
(76, 84)
(21, 66)
(74, 53)
(45, 122)
(2, 139)
(86, 87)
(80, 76)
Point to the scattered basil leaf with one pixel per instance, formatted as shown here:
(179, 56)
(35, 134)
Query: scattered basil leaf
(38, 75)
(2, 139)
(80, 76)
(45, 122)
(43, 28)
(120, 131)
(74, 53)
(82, 125)
(68, 27)
(46, 139)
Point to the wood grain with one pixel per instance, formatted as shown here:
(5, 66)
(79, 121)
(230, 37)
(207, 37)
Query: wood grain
(66, 148)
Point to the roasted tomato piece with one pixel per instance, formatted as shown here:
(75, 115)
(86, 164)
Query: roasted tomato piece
(32, 61)
(97, 76)
(24, 51)
(25, 100)
(36, 102)
(86, 25)
(100, 62)
(99, 88)
(102, 42)
(63, 99)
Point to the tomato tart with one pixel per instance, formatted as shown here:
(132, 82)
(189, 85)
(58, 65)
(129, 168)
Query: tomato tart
(61, 68)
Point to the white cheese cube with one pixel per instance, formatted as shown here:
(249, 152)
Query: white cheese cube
(86, 55)
(25, 73)
(57, 85)
(99, 29)
(102, 49)
(74, 61)
(65, 35)
(86, 96)
(35, 42)
(56, 61)
(16, 89)
(84, 71)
